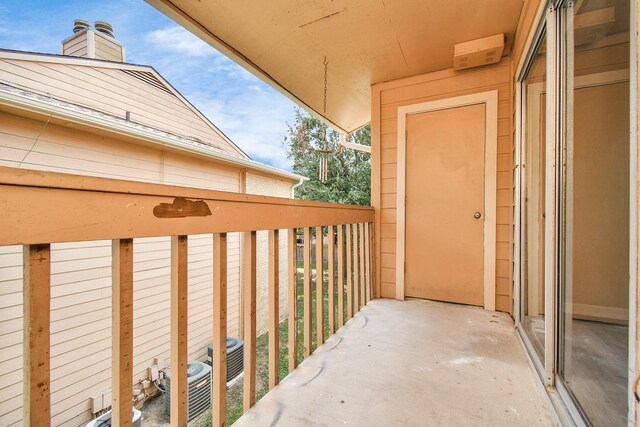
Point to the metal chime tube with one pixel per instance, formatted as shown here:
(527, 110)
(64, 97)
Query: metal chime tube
(326, 167)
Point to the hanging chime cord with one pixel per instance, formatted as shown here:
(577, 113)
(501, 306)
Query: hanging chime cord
(324, 161)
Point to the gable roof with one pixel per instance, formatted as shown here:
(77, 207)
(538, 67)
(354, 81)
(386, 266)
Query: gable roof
(123, 98)
(113, 88)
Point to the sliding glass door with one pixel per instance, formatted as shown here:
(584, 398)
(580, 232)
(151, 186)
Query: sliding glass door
(533, 199)
(574, 154)
(593, 280)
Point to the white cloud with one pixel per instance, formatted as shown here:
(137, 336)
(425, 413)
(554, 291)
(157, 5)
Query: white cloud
(178, 40)
(255, 121)
(247, 110)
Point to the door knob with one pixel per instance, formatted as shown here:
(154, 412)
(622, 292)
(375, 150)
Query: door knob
(477, 215)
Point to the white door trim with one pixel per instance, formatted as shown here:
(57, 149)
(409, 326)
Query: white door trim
(490, 99)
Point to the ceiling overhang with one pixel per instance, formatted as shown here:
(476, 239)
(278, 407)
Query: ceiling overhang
(284, 42)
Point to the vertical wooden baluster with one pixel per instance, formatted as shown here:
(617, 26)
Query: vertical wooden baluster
(179, 331)
(367, 242)
(340, 276)
(306, 286)
(363, 276)
(372, 261)
(249, 286)
(274, 312)
(331, 284)
(122, 331)
(356, 269)
(36, 286)
(319, 288)
(349, 274)
(292, 296)
(219, 384)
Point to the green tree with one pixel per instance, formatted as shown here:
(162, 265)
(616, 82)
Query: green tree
(349, 171)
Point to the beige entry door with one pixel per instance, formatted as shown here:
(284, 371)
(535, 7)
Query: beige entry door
(445, 212)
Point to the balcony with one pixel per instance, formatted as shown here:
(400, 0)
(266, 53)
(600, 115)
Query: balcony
(384, 361)
(412, 363)
(42, 208)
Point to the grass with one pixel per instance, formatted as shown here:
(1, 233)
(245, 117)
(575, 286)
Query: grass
(235, 393)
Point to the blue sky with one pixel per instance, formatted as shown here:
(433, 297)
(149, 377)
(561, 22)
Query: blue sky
(250, 112)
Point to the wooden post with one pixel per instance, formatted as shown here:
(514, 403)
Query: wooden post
(179, 331)
(249, 285)
(219, 384)
(372, 259)
(292, 297)
(306, 286)
(36, 286)
(367, 240)
(356, 270)
(274, 312)
(363, 276)
(122, 331)
(349, 274)
(331, 284)
(319, 288)
(340, 276)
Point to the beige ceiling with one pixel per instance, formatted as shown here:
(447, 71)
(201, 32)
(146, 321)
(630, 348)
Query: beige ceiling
(365, 41)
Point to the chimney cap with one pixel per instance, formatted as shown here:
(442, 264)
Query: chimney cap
(104, 28)
(80, 24)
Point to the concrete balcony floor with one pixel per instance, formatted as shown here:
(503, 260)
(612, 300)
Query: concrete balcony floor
(411, 363)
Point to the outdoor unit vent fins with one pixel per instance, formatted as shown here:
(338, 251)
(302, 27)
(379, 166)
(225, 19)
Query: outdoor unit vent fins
(198, 389)
(478, 52)
(235, 357)
(104, 420)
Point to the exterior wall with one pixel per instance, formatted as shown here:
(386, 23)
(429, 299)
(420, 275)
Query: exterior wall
(107, 49)
(81, 272)
(264, 185)
(113, 91)
(386, 98)
(76, 46)
(526, 28)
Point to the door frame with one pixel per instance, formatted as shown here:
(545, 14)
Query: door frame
(490, 99)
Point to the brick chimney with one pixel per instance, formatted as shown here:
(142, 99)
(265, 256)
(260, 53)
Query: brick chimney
(95, 42)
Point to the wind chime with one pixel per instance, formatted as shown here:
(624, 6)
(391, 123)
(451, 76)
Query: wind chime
(323, 169)
(324, 152)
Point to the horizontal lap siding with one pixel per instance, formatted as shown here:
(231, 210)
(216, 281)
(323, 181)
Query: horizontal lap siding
(262, 185)
(114, 92)
(81, 272)
(429, 87)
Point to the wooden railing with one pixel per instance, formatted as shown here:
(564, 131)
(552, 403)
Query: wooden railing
(40, 208)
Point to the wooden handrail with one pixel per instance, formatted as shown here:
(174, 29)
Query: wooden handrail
(74, 208)
(40, 208)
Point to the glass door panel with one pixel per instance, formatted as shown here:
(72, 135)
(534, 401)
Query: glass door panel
(594, 210)
(533, 201)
